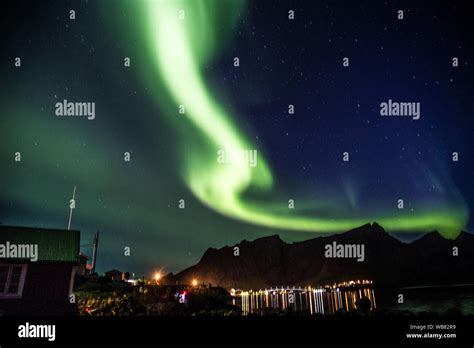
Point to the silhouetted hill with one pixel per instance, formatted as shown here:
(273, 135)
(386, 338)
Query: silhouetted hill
(269, 261)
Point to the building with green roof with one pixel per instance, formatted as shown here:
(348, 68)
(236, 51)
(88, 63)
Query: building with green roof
(37, 268)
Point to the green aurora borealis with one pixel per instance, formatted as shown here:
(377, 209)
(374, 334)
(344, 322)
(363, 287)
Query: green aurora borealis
(181, 48)
(173, 156)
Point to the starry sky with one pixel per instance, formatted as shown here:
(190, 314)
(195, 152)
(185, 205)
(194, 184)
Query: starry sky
(183, 53)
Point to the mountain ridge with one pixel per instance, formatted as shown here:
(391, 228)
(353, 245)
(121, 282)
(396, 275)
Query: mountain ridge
(270, 261)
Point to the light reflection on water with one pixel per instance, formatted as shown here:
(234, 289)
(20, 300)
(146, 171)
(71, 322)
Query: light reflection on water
(327, 300)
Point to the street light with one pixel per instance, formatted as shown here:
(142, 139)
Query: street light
(157, 277)
(195, 282)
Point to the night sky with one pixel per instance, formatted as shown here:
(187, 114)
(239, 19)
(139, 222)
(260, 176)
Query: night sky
(190, 62)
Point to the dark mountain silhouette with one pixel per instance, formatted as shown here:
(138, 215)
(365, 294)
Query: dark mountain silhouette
(269, 261)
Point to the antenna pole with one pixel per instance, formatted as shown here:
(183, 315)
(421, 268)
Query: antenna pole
(94, 251)
(72, 205)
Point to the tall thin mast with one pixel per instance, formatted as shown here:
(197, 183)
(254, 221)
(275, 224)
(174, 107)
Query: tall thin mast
(72, 205)
(94, 251)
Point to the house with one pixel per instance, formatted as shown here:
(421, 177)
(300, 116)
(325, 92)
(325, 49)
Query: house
(117, 276)
(84, 268)
(37, 268)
